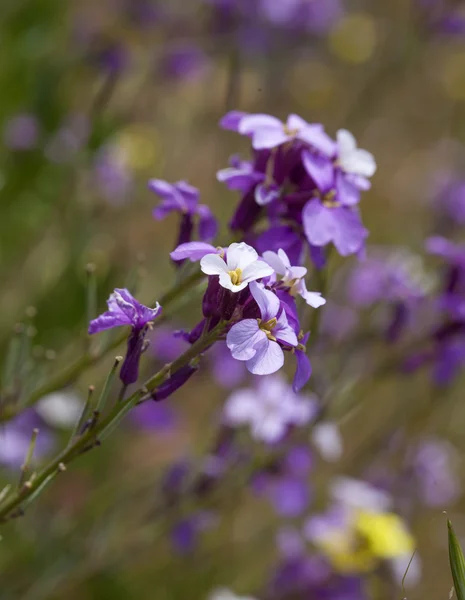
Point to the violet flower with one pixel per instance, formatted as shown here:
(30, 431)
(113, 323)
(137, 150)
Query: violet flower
(269, 409)
(258, 341)
(330, 216)
(242, 266)
(124, 309)
(292, 277)
(183, 198)
(268, 132)
(15, 439)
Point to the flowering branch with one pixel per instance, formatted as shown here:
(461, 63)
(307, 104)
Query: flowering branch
(13, 505)
(72, 371)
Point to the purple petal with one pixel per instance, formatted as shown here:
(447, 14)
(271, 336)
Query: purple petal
(208, 226)
(347, 193)
(232, 119)
(316, 137)
(268, 359)
(194, 251)
(267, 301)
(264, 194)
(303, 370)
(164, 209)
(162, 188)
(320, 169)
(107, 321)
(242, 338)
(290, 497)
(283, 332)
(339, 225)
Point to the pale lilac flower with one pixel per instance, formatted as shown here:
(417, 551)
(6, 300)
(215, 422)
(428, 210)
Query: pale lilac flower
(269, 132)
(327, 439)
(292, 277)
(15, 439)
(352, 159)
(21, 132)
(269, 409)
(242, 266)
(257, 341)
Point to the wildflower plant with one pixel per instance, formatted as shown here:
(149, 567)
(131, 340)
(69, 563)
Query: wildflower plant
(263, 288)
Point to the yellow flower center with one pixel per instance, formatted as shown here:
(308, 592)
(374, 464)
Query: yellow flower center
(290, 132)
(235, 276)
(329, 201)
(267, 327)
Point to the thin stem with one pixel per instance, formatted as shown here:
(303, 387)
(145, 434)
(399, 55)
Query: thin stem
(72, 371)
(12, 505)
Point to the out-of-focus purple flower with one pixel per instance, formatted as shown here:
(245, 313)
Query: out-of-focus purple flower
(124, 309)
(21, 132)
(227, 371)
(268, 132)
(269, 409)
(184, 61)
(241, 267)
(185, 534)
(433, 464)
(154, 416)
(183, 198)
(166, 344)
(390, 276)
(314, 17)
(112, 175)
(290, 496)
(258, 341)
(241, 175)
(15, 438)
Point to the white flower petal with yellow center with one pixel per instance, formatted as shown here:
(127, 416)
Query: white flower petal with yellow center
(242, 266)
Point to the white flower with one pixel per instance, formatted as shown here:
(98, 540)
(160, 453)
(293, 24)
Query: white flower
(327, 439)
(352, 159)
(292, 277)
(225, 594)
(269, 409)
(241, 267)
(60, 409)
(357, 494)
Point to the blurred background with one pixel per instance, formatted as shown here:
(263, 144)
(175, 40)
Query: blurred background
(97, 98)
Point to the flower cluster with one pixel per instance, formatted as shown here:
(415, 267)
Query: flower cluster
(307, 185)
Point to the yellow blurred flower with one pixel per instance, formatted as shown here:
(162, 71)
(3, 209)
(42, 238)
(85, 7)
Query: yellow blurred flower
(353, 38)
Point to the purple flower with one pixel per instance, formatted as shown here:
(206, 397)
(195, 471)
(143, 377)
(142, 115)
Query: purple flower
(292, 277)
(269, 409)
(194, 251)
(152, 416)
(112, 175)
(242, 266)
(227, 372)
(269, 132)
(290, 496)
(124, 309)
(258, 341)
(184, 61)
(182, 198)
(15, 438)
(241, 175)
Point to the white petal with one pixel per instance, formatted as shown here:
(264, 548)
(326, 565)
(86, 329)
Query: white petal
(359, 494)
(241, 407)
(225, 281)
(275, 262)
(284, 257)
(360, 162)
(296, 122)
(314, 299)
(60, 409)
(328, 441)
(268, 359)
(257, 270)
(239, 256)
(346, 142)
(212, 264)
(269, 429)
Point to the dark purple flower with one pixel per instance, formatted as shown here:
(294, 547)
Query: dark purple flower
(186, 62)
(124, 309)
(290, 496)
(152, 416)
(183, 198)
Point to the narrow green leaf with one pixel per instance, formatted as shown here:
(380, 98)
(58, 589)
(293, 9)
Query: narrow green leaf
(457, 563)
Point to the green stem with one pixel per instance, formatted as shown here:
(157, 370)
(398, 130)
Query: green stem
(71, 372)
(11, 506)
